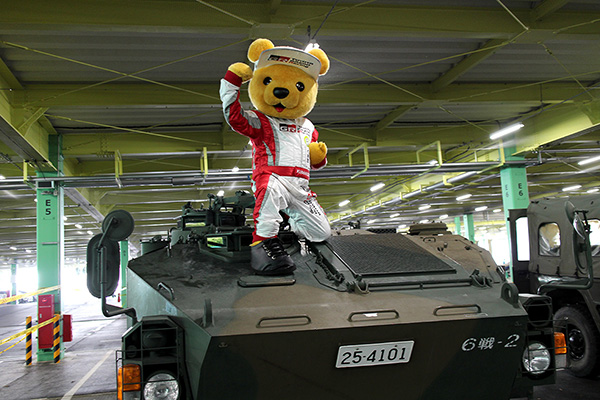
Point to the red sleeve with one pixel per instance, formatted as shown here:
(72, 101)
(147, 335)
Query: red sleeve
(245, 122)
(315, 136)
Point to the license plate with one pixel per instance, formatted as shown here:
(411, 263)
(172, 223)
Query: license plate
(363, 355)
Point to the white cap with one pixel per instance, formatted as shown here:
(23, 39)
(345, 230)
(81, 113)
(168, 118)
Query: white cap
(290, 56)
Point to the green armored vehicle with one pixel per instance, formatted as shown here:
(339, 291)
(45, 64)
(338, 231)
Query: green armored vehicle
(426, 315)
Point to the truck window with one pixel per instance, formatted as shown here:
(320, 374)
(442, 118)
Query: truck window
(549, 239)
(595, 236)
(522, 241)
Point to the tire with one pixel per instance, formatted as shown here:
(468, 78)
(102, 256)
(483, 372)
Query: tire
(583, 340)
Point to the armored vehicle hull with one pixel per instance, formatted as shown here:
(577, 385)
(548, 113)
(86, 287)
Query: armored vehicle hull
(382, 316)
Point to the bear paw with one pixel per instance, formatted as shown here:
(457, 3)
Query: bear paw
(318, 152)
(242, 70)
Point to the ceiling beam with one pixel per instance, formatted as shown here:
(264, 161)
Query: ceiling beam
(467, 63)
(546, 8)
(391, 117)
(20, 129)
(51, 95)
(557, 124)
(189, 16)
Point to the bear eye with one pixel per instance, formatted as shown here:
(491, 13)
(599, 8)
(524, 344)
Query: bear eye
(267, 80)
(300, 86)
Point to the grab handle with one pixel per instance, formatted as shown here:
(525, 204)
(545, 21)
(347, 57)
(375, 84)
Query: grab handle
(437, 310)
(275, 322)
(162, 285)
(374, 315)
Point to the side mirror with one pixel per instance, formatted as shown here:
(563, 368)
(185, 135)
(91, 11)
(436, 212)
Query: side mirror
(570, 210)
(579, 226)
(111, 276)
(103, 260)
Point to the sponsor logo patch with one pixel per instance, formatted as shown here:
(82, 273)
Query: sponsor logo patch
(291, 128)
(290, 60)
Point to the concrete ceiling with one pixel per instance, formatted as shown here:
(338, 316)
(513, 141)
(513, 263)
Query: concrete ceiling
(138, 81)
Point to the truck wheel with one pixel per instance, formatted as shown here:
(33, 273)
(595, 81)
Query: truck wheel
(583, 340)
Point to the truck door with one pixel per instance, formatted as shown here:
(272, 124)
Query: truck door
(519, 248)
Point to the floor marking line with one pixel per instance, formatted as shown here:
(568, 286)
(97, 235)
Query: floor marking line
(87, 376)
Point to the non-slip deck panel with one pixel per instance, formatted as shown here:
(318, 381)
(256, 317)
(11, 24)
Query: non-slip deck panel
(386, 254)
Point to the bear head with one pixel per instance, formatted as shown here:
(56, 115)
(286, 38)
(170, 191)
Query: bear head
(284, 82)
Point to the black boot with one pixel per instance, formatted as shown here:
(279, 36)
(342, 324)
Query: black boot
(270, 258)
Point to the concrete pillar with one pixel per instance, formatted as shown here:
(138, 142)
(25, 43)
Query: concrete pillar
(50, 245)
(124, 260)
(13, 281)
(515, 194)
(469, 227)
(457, 225)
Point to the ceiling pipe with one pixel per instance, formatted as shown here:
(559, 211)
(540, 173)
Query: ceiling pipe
(243, 175)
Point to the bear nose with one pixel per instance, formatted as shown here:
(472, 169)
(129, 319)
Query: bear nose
(280, 93)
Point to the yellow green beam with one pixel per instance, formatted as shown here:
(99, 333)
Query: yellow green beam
(54, 95)
(241, 17)
(556, 124)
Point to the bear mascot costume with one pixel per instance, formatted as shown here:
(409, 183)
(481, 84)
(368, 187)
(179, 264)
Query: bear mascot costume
(283, 89)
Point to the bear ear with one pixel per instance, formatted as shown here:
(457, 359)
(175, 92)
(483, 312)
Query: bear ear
(257, 47)
(320, 54)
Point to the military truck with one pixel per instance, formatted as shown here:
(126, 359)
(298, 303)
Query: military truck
(555, 246)
(424, 315)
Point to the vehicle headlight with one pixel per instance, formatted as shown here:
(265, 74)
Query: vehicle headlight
(161, 386)
(536, 358)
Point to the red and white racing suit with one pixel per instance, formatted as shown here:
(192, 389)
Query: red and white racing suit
(280, 167)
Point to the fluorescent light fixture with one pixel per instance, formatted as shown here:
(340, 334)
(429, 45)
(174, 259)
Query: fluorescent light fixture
(505, 131)
(463, 197)
(571, 188)
(371, 221)
(425, 207)
(220, 193)
(444, 216)
(589, 160)
(78, 226)
(403, 226)
(432, 162)
(90, 232)
(65, 218)
(377, 186)
(344, 203)
(593, 190)
(481, 208)
(461, 176)
(423, 221)
(13, 248)
(394, 215)
(497, 210)
(27, 250)
(235, 169)
(2, 177)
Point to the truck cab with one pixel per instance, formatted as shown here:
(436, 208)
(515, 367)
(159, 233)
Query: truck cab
(555, 246)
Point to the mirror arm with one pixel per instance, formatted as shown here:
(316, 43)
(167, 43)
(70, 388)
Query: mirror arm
(109, 310)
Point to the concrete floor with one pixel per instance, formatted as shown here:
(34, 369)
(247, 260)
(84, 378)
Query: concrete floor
(88, 368)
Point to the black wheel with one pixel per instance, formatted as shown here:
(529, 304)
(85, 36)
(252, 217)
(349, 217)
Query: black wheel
(583, 340)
